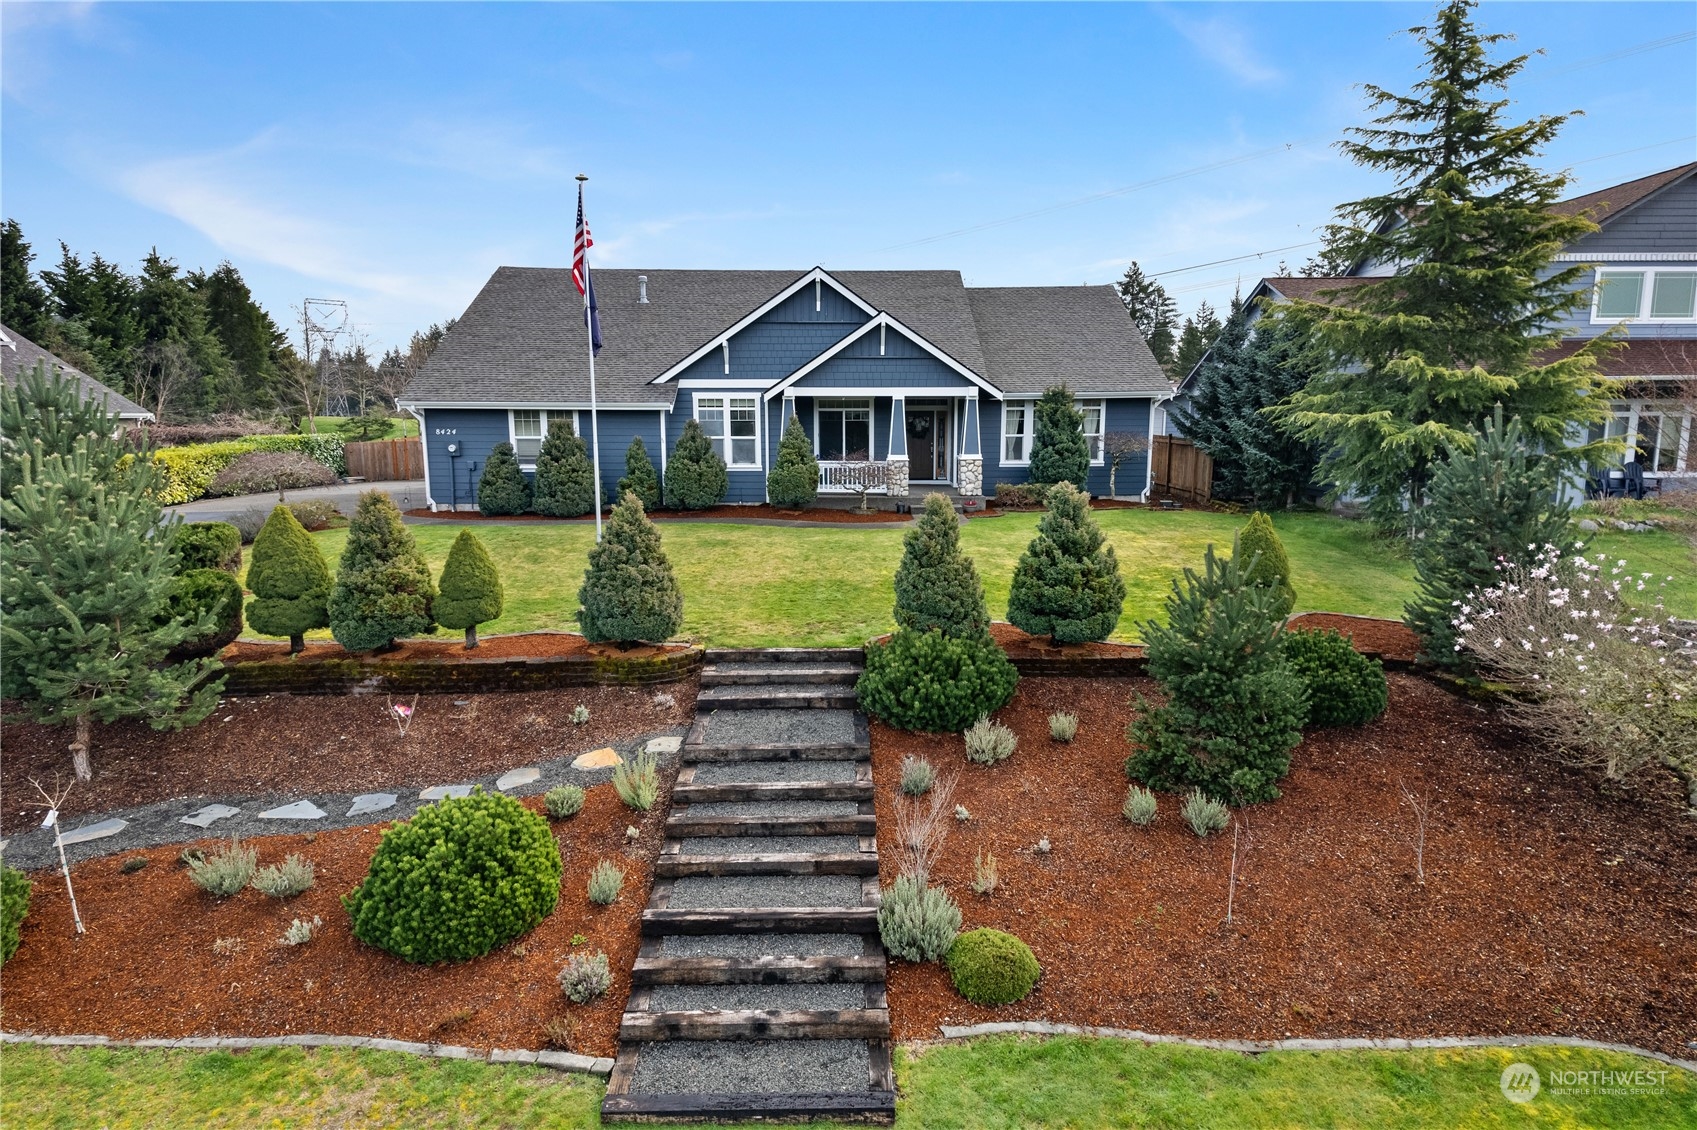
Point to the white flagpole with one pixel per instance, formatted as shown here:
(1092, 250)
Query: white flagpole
(589, 334)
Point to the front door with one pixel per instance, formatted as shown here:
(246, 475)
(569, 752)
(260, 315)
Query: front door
(927, 444)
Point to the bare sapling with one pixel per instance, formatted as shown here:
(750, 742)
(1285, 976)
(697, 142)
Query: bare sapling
(922, 824)
(53, 802)
(402, 713)
(1240, 834)
(1422, 806)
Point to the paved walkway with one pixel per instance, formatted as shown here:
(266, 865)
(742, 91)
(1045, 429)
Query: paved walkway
(407, 493)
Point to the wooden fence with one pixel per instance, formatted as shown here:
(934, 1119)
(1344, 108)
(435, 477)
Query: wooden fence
(385, 459)
(1181, 471)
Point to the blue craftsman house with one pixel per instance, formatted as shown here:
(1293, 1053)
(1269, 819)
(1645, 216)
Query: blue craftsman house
(928, 380)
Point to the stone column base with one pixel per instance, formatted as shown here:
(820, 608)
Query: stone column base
(971, 468)
(895, 476)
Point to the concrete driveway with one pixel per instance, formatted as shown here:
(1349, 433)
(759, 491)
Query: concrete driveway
(407, 493)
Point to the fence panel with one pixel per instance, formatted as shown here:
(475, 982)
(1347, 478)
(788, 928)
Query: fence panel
(386, 459)
(1181, 471)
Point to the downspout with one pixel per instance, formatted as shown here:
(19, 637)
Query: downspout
(424, 443)
(1149, 452)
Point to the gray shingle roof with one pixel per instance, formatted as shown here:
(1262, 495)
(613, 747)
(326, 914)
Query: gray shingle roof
(18, 355)
(521, 340)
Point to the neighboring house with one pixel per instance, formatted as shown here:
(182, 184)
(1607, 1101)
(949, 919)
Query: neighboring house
(913, 370)
(1642, 278)
(18, 355)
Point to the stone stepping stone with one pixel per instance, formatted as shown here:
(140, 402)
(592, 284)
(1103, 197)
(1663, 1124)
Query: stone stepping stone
(94, 831)
(669, 744)
(517, 777)
(205, 817)
(604, 758)
(300, 810)
(445, 792)
(367, 803)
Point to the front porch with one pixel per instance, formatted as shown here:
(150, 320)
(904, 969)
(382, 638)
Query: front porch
(892, 447)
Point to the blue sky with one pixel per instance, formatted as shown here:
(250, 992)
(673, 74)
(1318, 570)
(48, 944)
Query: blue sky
(393, 154)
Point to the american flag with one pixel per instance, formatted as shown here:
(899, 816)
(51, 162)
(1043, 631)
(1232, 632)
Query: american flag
(581, 277)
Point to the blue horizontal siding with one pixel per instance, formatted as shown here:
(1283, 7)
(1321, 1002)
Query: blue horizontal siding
(477, 431)
(1123, 415)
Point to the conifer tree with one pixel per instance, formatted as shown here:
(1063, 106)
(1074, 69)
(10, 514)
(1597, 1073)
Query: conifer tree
(629, 593)
(1265, 563)
(44, 414)
(794, 481)
(695, 474)
(1418, 357)
(1067, 584)
(502, 488)
(1153, 311)
(1202, 416)
(1199, 332)
(565, 482)
(1059, 453)
(640, 477)
(383, 590)
(937, 588)
(1272, 463)
(470, 593)
(1493, 500)
(289, 579)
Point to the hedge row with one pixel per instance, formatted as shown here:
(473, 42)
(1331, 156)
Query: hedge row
(189, 470)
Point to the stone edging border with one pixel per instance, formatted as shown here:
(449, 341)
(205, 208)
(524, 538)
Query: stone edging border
(559, 1061)
(1389, 1043)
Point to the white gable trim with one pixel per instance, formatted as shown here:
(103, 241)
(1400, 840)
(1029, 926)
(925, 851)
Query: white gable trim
(879, 321)
(816, 276)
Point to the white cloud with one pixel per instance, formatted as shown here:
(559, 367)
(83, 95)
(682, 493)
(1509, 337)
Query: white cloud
(1224, 43)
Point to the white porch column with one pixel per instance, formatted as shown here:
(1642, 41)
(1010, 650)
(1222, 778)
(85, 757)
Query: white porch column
(971, 460)
(895, 461)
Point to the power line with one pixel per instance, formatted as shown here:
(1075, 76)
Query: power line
(1233, 259)
(1623, 53)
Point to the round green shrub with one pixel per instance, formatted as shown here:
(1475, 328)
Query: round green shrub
(933, 682)
(992, 967)
(460, 878)
(14, 908)
(208, 545)
(212, 592)
(1345, 688)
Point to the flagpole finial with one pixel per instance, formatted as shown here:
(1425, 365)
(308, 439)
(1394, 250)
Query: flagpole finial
(581, 177)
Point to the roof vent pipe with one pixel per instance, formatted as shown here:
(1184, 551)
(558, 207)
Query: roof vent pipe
(642, 288)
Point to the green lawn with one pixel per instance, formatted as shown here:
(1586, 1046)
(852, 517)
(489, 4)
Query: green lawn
(997, 1082)
(774, 585)
(400, 426)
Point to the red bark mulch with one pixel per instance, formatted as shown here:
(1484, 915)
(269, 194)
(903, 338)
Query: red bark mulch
(147, 967)
(1389, 639)
(752, 510)
(1549, 905)
(447, 648)
(1019, 645)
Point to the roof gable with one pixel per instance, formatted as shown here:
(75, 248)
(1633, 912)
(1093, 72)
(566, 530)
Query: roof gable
(781, 306)
(18, 355)
(1608, 204)
(879, 329)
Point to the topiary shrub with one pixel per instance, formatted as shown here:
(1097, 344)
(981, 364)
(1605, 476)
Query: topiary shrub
(992, 967)
(289, 579)
(206, 592)
(695, 474)
(565, 481)
(383, 588)
(793, 483)
(502, 488)
(470, 593)
(1272, 568)
(933, 682)
(917, 922)
(1067, 584)
(460, 878)
(14, 908)
(629, 592)
(1059, 452)
(937, 587)
(208, 545)
(639, 478)
(1345, 688)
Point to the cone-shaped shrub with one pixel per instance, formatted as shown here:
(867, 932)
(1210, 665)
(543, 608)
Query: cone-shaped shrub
(1059, 453)
(565, 482)
(695, 474)
(383, 588)
(470, 593)
(932, 682)
(629, 593)
(289, 579)
(639, 477)
(1067, 584)
(502, 488)
(1272, 568)
(794, 481)
(937, 587)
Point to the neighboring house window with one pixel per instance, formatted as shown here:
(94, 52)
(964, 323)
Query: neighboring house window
(732, 423)
(843, 429)
(1645, 295)
(1018, 423)
(1658, 436)
(529, 427)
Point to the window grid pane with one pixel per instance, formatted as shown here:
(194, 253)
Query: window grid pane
(1673, 295)
(1013, 439)
(1620, 294)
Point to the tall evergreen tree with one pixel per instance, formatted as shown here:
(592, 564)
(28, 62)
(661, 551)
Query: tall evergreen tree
(1202, 416)
(1276, 465)
(937, 587)
(1199, 332)
(383, 589)
(23, 300)
(172, 314)
(1059, 453)
(502, 489)
(290, 581)
(250, 339)
(793, 483)
(629, 592)
(695, 475)
(1153, 311)
(470, 593)
(1067, 585)
(1418, 357)
(565, 482)
(640, 477)
(1492, 500)
(96, 304)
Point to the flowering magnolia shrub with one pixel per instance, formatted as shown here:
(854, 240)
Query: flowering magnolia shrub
(1605, 675)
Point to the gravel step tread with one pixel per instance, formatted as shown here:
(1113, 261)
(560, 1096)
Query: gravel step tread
(752, 1066)
(802, 696)
(761, 845)
(764, 727)
(742, 792)
(793, 997)
(752, 946)
(785, 655)
(774, 772)
(735, 892)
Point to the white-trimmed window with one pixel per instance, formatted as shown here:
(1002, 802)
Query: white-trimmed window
(1095, 417)
(732, 424)
(529, 426)
(1019, 423)
(1645, 294)
(842, 429)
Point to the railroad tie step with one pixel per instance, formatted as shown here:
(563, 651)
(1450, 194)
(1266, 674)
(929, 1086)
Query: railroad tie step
(677, 866)
(780, 697)
(658, 922)
(856, 1106)
(684, 825)
(757, 1024)
(853, 655)
(779, 674)
(765, 970)
(738, 791)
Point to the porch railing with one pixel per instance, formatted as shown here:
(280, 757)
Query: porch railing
(853, 477)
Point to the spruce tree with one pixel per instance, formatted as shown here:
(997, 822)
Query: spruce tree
(1418, 357)
(1203, 416)
(289, 579)
(640, 477)
(1493, 500)
(24, 305)
(629, 593)
(1199, 332)
(937, 588)
(794, 481)
(565, 482)
(86, 571)
(502, 488)
(1067, 584)
(44, 414)
(470, 592)
(1059, 453)
(383, 590)
(695, 474)
(1264, 561)
(1153, 311)
(1274, 464)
